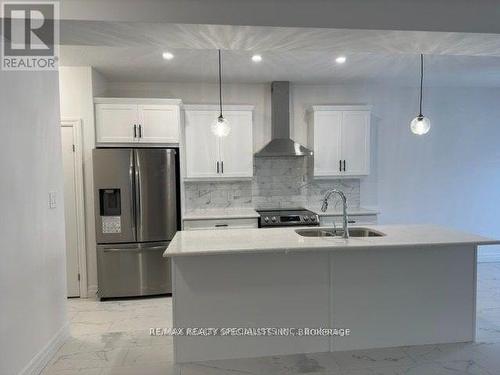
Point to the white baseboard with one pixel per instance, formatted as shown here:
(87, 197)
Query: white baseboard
(40, 360)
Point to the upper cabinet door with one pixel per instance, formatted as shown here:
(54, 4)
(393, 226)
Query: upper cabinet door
(115, 123)
(327, 143)
(356, 143)
(237, 148)
(341, 136)
(202, 147)
(158, 123)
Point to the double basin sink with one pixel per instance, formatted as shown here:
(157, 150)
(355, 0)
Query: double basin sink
(338, 232)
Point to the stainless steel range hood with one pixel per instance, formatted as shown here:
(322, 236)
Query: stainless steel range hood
(281, 144)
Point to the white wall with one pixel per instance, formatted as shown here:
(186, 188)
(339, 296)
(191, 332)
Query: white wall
(77, 87)
(32, 269)
(449, 177)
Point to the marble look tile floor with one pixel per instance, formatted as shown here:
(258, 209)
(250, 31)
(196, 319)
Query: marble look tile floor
(112, 338)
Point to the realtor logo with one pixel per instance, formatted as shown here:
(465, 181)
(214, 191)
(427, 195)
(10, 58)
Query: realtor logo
(30, 35)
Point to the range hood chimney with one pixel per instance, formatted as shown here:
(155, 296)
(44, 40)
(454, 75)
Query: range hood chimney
(281, 144)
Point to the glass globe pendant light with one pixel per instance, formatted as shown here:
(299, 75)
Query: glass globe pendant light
(420, 125)
(220, 127)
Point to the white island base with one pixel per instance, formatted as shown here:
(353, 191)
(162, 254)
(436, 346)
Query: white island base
(386, 296)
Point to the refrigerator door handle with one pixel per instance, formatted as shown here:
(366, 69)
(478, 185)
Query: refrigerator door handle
(131, 172)
(138, 208)
(134, 249)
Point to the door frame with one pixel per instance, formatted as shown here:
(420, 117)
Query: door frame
(76, 124)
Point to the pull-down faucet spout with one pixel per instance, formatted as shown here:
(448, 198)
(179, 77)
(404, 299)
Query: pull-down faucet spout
(324, 207)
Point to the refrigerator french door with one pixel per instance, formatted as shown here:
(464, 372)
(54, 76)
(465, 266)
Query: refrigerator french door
(136, 217)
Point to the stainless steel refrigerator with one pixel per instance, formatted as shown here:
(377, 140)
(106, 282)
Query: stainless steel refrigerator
(136, 215)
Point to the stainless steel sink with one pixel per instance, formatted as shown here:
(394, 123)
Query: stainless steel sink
(337, 232)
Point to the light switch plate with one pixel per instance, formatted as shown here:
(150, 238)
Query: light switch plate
(52, 199)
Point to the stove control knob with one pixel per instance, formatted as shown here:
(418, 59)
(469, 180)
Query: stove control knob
(273, 219)
(266, 219)
(306, 218)
(313, 218)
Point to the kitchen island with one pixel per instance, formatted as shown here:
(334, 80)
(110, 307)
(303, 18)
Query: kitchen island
(414, 285)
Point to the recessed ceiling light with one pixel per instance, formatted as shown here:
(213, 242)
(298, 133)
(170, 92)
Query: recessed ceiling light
(256, 58)
(340, 60)
(167, 55)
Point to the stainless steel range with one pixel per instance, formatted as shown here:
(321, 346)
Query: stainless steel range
(287, 218)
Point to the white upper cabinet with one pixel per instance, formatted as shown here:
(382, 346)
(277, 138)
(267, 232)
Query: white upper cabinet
(115, 123)
(355, 149)
(137, 120)
(327, 142)
(201, 146)
(236, 150)
(159, 123)
(340, 137)
(211, 157)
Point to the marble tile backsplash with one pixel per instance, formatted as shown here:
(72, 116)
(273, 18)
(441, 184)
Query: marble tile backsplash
(218, 194)
(277, 182)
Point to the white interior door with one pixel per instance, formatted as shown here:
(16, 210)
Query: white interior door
(237, 147)
(159, 123)
(202, 147)
(356, 142)
(327, 143)
(70, 211)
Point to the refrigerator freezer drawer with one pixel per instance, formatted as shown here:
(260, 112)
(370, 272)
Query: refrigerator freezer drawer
(127, 270)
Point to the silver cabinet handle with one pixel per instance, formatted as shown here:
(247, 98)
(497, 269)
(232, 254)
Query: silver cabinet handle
(221, 167)
(217, 167)
(221, 225)
(135, 131)
(140, 131)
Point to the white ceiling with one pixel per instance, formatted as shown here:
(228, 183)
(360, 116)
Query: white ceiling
(125, 51)
(146, 65)
(257, 38)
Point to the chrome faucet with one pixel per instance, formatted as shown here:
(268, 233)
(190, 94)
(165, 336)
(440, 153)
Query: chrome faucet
(324, 207)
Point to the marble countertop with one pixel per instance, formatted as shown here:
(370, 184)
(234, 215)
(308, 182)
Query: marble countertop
(234, 241)
(220, 213)
(335, 212)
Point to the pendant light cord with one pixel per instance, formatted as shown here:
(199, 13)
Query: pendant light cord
(421, 81)
(220, 84)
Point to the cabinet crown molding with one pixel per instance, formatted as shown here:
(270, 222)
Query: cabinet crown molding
(335, 107)
(103, 100)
